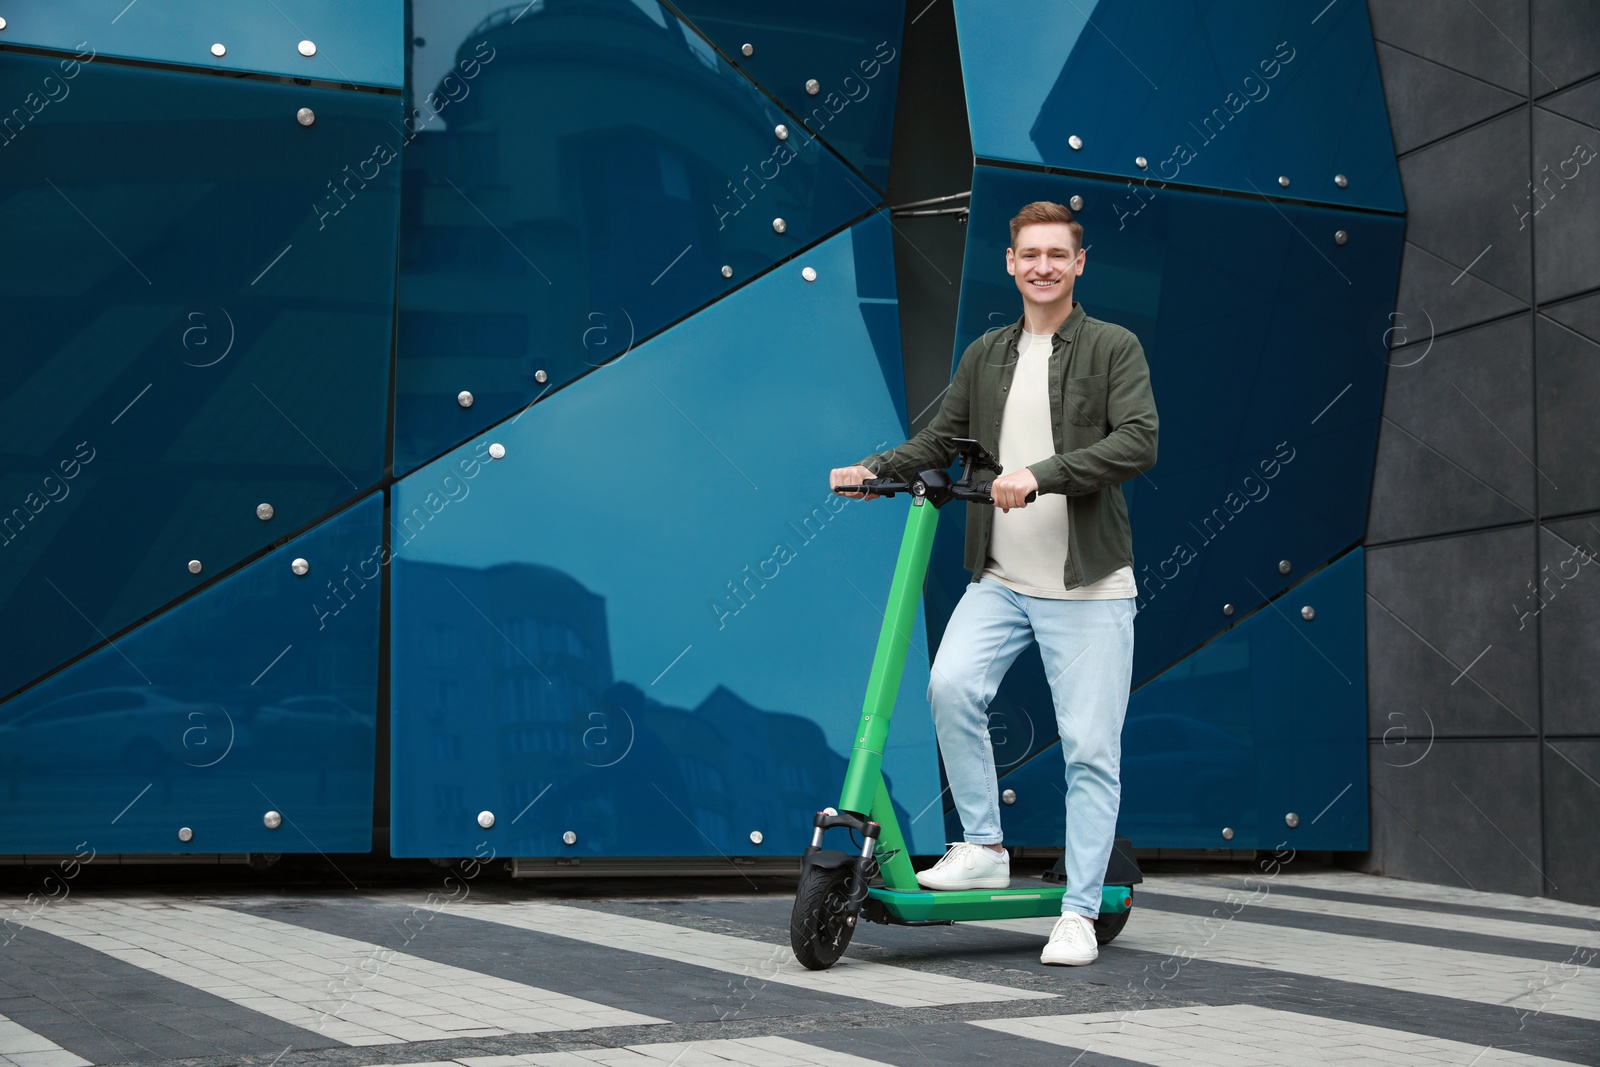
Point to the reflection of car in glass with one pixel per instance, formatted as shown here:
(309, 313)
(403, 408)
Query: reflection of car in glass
(311, 731)
(137, 729)
(1164, 751)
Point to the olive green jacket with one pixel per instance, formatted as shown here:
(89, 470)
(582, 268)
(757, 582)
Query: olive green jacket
(1103, 417)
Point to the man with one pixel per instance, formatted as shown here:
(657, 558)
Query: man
(1064, 401)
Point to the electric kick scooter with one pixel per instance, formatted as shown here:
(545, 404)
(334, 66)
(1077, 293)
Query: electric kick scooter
(835, 887)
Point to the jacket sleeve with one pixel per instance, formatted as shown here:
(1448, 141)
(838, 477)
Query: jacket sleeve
(1128, 450)
(930, 446)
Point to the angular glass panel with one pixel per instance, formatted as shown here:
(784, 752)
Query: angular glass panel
(1268, 345)
(357, 42)
(651, 623)
(850, 50)
(259, 694)
(1268, 719)
(198, 317)
(1227, 95)
(541, 241)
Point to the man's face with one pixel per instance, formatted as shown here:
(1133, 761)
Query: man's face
(1045, 262)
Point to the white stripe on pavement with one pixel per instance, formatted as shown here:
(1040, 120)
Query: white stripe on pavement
(21, 1047)
(347, 990)
(721, 1052)
(1532, 986)
(1245, 1035)
(1219, 893)
(1379, 887)
(898, 987)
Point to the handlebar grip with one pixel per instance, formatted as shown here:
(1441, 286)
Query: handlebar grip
(988, 487)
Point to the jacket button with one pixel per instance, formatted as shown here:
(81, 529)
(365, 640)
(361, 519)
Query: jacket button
(997, 425)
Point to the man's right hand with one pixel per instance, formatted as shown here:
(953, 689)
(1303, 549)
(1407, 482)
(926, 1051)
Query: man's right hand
(855, 475)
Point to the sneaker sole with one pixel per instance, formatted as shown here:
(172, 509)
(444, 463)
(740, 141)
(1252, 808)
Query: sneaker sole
(1064, 961)
(982, 883)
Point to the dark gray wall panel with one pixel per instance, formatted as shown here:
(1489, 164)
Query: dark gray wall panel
(1571, 812)
(1566, 199)
(1460, 198)
(1436, 298)
(1469, 403)
(1489, 43)
(1566, 42)
(1569, 396)
(1567, 606)
(1466, 814)
(1428, 101)
(1433, 609)
(1582, 314)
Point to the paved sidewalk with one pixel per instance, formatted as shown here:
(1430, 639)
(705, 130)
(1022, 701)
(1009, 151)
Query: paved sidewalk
(1317, 967)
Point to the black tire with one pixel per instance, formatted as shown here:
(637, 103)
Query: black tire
(818, 928)
(1108, 926)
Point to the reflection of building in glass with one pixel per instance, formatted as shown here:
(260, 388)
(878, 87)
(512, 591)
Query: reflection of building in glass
(515, 660)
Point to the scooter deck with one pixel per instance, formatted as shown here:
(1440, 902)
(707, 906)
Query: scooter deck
(974, 905)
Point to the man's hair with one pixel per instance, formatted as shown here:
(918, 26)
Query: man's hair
(1046, 211)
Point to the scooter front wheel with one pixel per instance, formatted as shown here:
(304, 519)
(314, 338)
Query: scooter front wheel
(820, 925)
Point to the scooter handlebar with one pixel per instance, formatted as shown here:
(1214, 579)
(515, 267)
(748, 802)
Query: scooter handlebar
(986, 489)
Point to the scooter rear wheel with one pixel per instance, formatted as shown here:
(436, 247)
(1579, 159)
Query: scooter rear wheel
(819, 926)
(1108, 926)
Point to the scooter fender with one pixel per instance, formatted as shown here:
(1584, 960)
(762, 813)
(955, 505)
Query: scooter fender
(827, 859)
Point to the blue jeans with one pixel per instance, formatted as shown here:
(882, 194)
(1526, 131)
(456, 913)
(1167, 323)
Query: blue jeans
(1087, 650)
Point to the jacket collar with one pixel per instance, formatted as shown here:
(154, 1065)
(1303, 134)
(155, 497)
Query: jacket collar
(1064, 331)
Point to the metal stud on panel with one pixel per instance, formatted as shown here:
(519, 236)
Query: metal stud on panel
(727, 272)
(569, 838)
(781, 132)
(1291, 820)
(1308, 613)
(1340, 237)
(1227, 609)
(779, 226)
(1141, 162)
(540, 376)
(497, 451)
(1283, 181)
(2, 24)
(756, 837)
(1340, 180)
(194, 566)
(464, 398)
(747, 49)
(219, 50)
(813, 87)
(305, 116)
(1076, 203)
(185, 834)
(1227, 833)
(808, 273)
(1009, 796)
(1075, 142)
(307, 48)
(272, 820)
(264, 512)
(300, 565)
(1284, 566)
(486, 819)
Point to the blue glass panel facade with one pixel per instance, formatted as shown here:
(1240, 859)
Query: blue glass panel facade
(849, 49)
(198, 320)
(257, 694)
(1228, 95)
(650, 623)
(1268, 719)
(357, 42)
(1265, 340)
(540, 242)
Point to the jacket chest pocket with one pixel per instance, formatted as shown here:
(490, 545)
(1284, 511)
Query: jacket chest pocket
(1084, 400)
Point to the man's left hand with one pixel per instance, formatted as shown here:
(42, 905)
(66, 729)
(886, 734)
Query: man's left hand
(1011, 490)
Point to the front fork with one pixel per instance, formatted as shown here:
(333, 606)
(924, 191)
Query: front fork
(862, 866)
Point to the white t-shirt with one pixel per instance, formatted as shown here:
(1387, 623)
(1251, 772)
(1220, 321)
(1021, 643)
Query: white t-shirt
(1028, 546)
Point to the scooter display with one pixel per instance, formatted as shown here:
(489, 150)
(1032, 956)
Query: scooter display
(836, 887)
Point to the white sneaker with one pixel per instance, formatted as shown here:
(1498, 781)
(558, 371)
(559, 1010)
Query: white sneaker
(1072, 942)
(968, 866)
